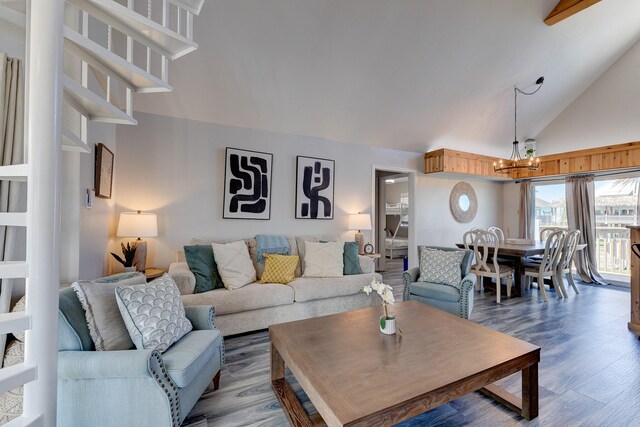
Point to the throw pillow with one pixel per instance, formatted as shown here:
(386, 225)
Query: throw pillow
(351, 259)
(300, 241)
(442, 267)
(234, 264)
(20, 306)
(153, 313)
(203, 266)
(11, 400)
(324, 259)
(98, 299)
(279, 268)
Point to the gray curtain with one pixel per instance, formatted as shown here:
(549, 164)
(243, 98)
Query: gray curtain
(11, 153)
(526, 225)
(580, 192)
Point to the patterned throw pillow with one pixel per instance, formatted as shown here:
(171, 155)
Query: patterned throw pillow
(153, 313)
(279, 268)
(438, 266)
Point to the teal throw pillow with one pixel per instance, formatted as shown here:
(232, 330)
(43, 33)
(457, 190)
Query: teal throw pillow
(351, 260)
(204, 268)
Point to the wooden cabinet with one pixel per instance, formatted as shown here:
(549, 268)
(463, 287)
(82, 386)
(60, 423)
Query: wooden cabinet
(634, 323)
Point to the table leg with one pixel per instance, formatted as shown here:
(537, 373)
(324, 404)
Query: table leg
(530, 392)
(277, 364)
(521, 289)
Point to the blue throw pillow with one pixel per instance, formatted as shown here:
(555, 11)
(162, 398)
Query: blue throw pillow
(351, 260)
(204, 267)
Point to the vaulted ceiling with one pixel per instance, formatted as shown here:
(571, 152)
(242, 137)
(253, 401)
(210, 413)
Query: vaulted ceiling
(413, 75)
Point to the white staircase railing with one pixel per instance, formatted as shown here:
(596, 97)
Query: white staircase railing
(121, 47)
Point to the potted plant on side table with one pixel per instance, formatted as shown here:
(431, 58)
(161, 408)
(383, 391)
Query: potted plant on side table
(129, 253)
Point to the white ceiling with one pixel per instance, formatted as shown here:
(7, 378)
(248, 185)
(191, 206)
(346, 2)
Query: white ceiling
(412, 75)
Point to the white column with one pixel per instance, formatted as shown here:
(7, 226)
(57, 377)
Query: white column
(44, 117)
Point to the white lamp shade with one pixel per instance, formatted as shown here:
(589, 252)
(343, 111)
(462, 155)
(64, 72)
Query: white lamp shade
(134, 224)
(360, 222)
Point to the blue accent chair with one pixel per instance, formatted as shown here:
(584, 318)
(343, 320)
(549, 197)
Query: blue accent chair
(454, 300)
(133, 387)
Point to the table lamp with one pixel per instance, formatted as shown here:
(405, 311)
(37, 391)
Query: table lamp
(138, 224)
(360, 222)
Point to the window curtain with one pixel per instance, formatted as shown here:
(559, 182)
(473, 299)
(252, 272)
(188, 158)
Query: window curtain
(526, 225)
(11, 153)
(580, 193)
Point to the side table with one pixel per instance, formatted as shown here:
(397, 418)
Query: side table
(153, 273)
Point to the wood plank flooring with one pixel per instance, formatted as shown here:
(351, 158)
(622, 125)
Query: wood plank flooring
(589, 370)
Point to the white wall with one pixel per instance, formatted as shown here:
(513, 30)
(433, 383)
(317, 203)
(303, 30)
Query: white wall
(175, 167)
(605, 114)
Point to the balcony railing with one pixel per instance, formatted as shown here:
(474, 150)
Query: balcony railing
(613, 250)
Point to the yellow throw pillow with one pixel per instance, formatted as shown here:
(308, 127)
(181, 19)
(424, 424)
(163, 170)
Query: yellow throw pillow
(279, 268)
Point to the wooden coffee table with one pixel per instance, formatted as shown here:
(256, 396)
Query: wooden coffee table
(356, 376)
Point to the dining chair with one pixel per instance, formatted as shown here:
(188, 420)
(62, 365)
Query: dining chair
(566, 261)
(548, 266)
(545, 231)
(485, 251)
(498, 232)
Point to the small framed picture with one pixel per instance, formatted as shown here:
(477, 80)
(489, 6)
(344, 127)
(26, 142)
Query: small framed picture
(104, 171)
(314, 188)
(247, 184)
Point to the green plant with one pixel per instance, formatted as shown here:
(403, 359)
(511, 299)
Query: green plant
(129, 252)
(530, 152)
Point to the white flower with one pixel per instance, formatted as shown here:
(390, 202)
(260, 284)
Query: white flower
(385, 291)
(367, 289)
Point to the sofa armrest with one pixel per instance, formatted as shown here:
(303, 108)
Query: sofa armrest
(409, 276)
(183, 277)
(367, 264)
(467, 295)
(82, 365)
(201, 316)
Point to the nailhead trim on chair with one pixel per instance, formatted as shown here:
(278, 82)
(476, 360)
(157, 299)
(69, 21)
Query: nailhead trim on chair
(407, 279)
(167, 385)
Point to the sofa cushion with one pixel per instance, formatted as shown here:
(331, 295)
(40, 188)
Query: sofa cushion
(438, 266)
(253, 296)
(279, 268)
(435, 291)
(234, 264)
(98, 298)
(186, 358)
(323, 259)
(315, 288)
(203, 266)
(351, 259)
(154, 313)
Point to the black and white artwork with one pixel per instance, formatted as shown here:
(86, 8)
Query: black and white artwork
(247, 184)
(314, 188)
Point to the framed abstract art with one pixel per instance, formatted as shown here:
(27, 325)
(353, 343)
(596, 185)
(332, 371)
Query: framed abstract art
(247, 184)
(314, 188)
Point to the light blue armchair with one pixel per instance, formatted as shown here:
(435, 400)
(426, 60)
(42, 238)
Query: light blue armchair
(133, 387)
(455, 300)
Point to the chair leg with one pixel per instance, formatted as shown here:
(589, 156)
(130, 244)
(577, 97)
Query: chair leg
(498, 289)
(541, 287)
(216, 381)
(509, 284)
(570, 280)
(559, 285)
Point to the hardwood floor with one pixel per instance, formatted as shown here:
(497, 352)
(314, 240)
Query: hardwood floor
(589, 372)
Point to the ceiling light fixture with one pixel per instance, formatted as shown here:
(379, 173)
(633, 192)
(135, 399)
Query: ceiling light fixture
(516, 161)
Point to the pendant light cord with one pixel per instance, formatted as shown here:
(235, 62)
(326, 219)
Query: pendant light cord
(539, 82)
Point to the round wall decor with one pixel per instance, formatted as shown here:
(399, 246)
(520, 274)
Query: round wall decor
(463, 202)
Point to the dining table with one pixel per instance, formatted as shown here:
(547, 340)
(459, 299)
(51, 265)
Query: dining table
(517, 252)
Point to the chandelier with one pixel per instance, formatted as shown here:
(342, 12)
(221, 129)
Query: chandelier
(516, 161)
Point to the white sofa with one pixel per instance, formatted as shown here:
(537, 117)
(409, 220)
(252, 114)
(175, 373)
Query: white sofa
(256, 306)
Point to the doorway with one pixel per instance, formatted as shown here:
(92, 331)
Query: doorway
(393, 219)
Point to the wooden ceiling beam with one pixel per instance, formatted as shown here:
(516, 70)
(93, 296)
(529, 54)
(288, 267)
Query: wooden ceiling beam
(567, 8)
